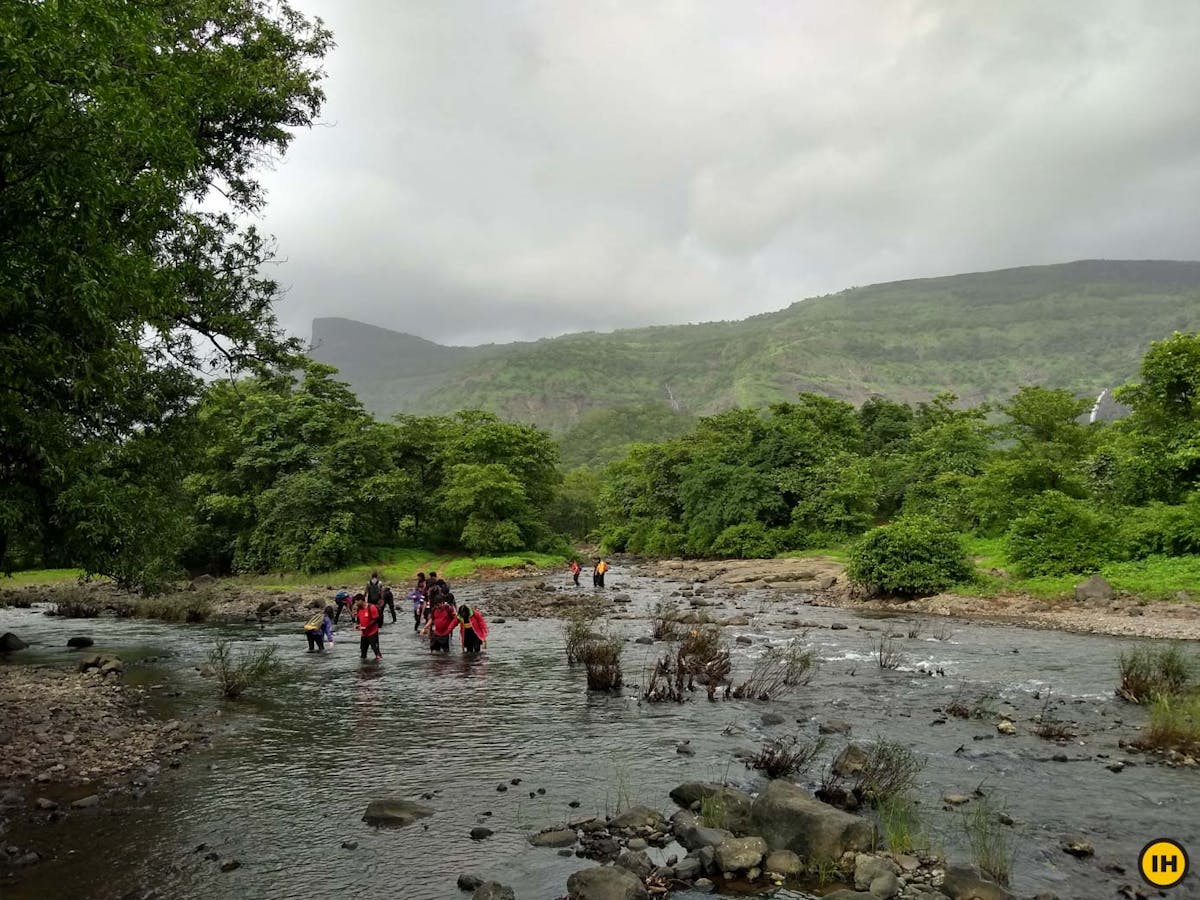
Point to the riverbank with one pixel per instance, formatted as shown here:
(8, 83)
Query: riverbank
(821, 581)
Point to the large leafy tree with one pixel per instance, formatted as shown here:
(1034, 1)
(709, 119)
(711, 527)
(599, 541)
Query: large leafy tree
(130, 137)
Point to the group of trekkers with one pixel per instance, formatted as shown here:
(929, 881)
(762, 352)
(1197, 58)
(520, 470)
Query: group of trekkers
(434, 614)
(599, 567)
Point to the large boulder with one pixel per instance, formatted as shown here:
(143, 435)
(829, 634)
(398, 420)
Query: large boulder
(606, 883)
(10, 643)
(693, 834)
(740, 854)
(731, 805)
(784, 862)
(636, 861)
(1095, 588)
(851, 762)
(791, 819)
(80, 642)
(394, 813)
(965, 883)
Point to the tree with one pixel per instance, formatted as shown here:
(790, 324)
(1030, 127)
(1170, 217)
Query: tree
(121, 122)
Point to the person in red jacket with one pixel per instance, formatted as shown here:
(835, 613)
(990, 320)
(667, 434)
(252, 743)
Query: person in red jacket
(369, 619)
(442, 622)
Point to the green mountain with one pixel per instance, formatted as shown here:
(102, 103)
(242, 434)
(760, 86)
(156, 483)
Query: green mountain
(1082, 326)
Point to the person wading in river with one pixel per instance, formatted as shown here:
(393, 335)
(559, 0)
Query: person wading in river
(575, 570)
(442, 622)
(369, 618)
(474, 629)
(388, 602)
(374, 590)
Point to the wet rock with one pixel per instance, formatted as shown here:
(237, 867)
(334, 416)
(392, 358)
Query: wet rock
(965, 883)
(45, 803)
(638, 817)
(493, 890)
(688, 868)
(501, 788)
(850, 895)
(230, 865)
(80, 643)
(736, 804)
(685, 749)
(600, 847)
(834, 726)
(469, 882)
(637, 844)
(394, 813)
(1006, 727)
(554, 837)
(481, 834)
(744, 639)
(704, 886)
(740, 854)
(515, 782)
(10, 643)
(772, 718)
(955, 799)
(637, 862)
(783, 862)
(574, 804)
(27, 859)
(867, 868)
(1095, 588)
(850, 762)
(789, 818)
(885, 885)
(838, 626)
(605, 883)
(349, 845)
(1079, 848)
(644, 640)
(86, 802)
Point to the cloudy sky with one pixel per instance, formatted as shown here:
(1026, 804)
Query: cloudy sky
(504, 170)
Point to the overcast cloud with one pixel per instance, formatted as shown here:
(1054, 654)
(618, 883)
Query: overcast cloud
(495, 171)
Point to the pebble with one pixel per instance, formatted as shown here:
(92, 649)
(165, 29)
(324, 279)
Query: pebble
(230, 865)
(349, 845)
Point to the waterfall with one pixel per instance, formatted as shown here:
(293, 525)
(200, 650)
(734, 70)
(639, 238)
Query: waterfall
(1096, 407)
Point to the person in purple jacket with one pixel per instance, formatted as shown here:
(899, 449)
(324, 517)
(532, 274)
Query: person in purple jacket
(319, 635)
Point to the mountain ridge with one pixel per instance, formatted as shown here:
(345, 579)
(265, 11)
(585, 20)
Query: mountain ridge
(1081, 325)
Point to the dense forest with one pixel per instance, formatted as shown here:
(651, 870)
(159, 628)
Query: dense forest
(1067, 495)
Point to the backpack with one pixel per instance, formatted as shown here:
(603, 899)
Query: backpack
(378, 615)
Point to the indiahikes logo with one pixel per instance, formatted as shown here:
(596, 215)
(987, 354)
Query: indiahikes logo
(1163, 862)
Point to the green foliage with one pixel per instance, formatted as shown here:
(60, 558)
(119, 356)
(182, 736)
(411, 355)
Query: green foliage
(900, 823)
(911, 556)
(1058, 535)
(1150, 671)
(749, 540)
(236, 672)
(1159, 529)
(990, 841)
(1174, 724)
(122, 281)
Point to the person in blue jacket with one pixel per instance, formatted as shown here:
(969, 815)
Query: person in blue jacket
(342, 599)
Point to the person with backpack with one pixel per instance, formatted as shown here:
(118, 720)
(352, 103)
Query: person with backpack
(389, 603)
(318, 630)
(598, 576)
(474, 629)
(369, 618)
(442, 622)
(374, 591)
(342, 598)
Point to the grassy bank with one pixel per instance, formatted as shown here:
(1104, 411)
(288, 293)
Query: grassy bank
(1153, 578)
(34, 577)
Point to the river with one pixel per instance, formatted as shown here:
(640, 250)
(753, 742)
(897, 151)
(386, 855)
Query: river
(285, 784)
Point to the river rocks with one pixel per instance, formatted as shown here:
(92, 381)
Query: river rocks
(1079, 848)
(637, 862)
(833, 726)
(638, 817)
(688, 868)
(955, 799)
(1095, 588)
(965, 883)
(850, 895)
(349, 845)
(692, 834)
(102, 663)
(735, 804)
(605, 883)
(868, 868)
(740, 854)
(10, 643)
(468, 882)
(394, 813)
(230, 865)
(86, 802)
(80, 642)
(481, 834)
(493, 890)
(772, 718)
(554, 837)
(851, 762)
(1006, 727)
(789, 818)
(783, 862)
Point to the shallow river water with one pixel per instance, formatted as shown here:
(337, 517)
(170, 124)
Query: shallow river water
(287, 781)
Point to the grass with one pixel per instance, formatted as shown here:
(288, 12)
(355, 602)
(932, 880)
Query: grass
(1174, 724)
(713, 811)
(891, 771)
(990, 841)
(777, 670)
(888, 654)
(900, 823)
(1153, 578)
(34, 577)
(578, 630)
(238, 672)
(839, 553)
(784, 757)
(1149, 671)
(602, 659)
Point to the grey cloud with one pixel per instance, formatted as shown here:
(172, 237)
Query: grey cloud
(495, 171)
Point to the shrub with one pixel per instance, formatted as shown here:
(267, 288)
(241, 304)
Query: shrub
(989, 839)
(890, 771)
(602, 659)
(1159, 529)
(577, 630)
(777, 669)
(912, 556)
(1060, 536)
(666, 680)
(714, 812)
(704, 656)
(784, 757)
(235, 673)
(664, 623)
(749, 540)
(888, 654)
(1148, 671)
(1174, 724)
(73, 603)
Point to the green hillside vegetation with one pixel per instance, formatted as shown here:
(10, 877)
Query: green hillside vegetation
(1078, 326)
(907, 485)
